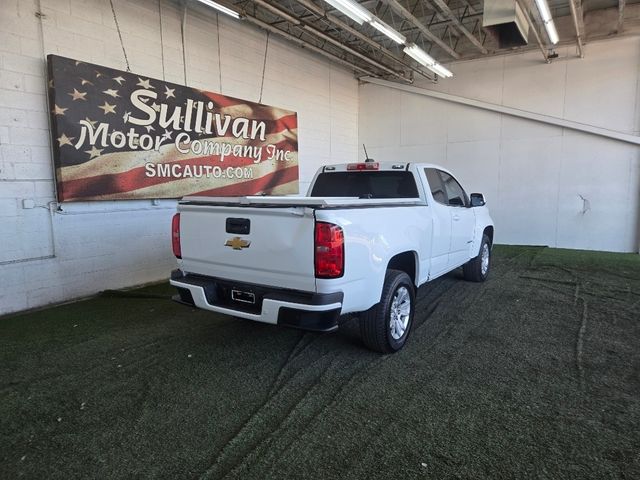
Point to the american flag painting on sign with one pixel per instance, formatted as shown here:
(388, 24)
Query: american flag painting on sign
(119, 135)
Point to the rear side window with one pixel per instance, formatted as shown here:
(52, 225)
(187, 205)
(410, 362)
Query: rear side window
(446, 189)
(455, 193)
(380, 184)
(436, 186)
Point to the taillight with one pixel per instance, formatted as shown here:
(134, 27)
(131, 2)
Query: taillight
(329, 250)
(175, 236)
(364, 166)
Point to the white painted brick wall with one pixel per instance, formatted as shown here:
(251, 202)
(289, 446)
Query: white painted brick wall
(92, 246)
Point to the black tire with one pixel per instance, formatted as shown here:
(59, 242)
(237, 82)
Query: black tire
(376, 327)
(473, 269)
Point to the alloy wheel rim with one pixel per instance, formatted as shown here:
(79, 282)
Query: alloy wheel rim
(400, 313)
(484, 266)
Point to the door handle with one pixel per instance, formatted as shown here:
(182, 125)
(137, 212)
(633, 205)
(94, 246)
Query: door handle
(456, 217)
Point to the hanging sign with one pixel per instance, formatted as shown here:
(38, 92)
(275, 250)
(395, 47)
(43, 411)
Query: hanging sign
(119, 135)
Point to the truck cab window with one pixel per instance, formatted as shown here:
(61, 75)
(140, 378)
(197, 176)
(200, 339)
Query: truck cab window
(366, 185)
(455, 193)
(436, 186)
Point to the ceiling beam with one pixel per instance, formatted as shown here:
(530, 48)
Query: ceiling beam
(619, 25)
(525, 11)
(451, 16)
(442, 19)
(319, 11)
(435, 11)
(320, 34)
(306, 45)
(407, 15)
(469, 7)
(578, 24)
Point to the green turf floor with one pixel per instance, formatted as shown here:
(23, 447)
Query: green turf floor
(534, 374)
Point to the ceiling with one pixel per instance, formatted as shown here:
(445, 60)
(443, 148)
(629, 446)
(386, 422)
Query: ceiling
(449, 30)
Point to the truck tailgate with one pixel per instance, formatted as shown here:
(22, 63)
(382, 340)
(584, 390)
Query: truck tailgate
(277, 251)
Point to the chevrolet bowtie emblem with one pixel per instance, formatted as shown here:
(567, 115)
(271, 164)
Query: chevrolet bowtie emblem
(237, 243)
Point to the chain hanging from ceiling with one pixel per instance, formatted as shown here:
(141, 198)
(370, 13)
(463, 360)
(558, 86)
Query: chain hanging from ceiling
(219, 57)
(115, 19)
(264, 67)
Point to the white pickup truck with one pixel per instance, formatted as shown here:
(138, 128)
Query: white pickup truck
(361, 242)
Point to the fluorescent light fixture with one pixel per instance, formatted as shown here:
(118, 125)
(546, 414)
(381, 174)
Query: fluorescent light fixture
(547, 19)
(543, 8)
(220, 8)
(352, 9)
(551, 31)
(388, 31)
(422, 57)
(419, 55)
(440, 70)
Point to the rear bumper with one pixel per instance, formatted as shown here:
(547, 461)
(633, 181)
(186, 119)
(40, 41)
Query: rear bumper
(308, 311)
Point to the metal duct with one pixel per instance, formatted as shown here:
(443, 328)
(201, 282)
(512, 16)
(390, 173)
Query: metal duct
(507, 22)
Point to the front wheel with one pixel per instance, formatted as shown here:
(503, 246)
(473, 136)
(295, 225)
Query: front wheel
(385, 327)
(477, 269)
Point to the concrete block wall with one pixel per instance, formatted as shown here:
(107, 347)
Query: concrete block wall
(47, 255)
(534, 175)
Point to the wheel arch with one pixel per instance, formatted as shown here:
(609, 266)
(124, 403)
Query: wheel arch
(488, 231)
(406, 262)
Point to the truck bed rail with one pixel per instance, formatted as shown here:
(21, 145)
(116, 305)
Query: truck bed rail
(314, 202)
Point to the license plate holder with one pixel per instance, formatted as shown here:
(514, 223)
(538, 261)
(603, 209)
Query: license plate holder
(243, 296)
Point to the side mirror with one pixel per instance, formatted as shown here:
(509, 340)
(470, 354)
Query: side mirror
(477, 200)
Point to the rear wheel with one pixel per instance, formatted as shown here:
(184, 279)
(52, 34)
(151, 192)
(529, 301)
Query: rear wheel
(477, 269)
(385, 327)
